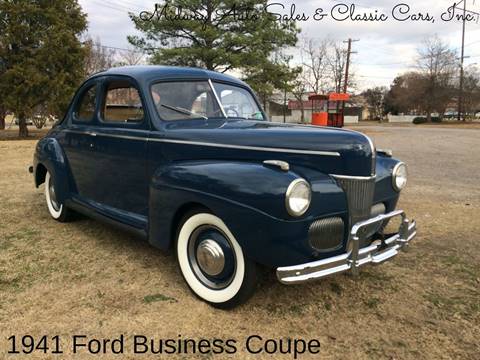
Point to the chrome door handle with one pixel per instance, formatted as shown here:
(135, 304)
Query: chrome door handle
(92, 134)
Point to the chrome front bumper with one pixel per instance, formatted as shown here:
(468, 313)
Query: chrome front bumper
(376, 253)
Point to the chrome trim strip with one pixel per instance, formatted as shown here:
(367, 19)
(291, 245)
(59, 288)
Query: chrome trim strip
(217, 98)
(219, 145)
(127, 137)
(354, 177)
(376, 253)
(246, 147)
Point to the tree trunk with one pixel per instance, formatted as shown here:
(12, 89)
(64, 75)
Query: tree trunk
(429, 116)
(302, 110)
(22, 126)
(2, 119)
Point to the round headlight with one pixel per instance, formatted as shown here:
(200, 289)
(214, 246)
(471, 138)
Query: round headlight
(399, 176)
(298, 197)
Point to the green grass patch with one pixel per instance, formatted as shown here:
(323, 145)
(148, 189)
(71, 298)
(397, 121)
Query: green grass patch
(336, 288)
(461, 267)
(296, 309)
(157, 297)
(372, 303)
(23, 234)
(466, 306)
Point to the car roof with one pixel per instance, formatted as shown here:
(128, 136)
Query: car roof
(148, 73)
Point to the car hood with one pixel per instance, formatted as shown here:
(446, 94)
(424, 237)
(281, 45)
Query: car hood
(331, 150)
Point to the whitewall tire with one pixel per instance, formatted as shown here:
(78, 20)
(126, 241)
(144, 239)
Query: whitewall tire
(212, 261)
(57, 210)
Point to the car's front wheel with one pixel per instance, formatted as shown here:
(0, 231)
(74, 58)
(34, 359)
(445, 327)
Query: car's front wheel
(212, 261)
(57, 210)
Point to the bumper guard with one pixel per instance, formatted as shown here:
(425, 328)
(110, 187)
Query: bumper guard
(376, 253)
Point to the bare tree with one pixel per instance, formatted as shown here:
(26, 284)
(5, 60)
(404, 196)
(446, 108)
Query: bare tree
(299, 90)
(315, 64)
(337, 64)
(437, 63)
(99, 57)
(131, 57)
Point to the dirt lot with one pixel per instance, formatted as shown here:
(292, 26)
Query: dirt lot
(86, 278)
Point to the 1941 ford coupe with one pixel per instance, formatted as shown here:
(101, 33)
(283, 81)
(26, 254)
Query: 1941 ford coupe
(186, 158)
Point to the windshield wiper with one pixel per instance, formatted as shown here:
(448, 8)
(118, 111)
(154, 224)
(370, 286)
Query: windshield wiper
(183, 111)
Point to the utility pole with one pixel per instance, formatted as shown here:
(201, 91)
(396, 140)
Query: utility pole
(462, 58)
(347, 66)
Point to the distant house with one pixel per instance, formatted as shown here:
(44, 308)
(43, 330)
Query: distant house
(353, 113)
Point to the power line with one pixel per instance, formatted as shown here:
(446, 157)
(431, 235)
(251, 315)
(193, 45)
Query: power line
(116, 7)
(138, 6)
(122, 49)
(110, 7)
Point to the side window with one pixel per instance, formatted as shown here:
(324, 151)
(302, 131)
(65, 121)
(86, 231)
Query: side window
(85, 110)
(122, 103)
(184, 100)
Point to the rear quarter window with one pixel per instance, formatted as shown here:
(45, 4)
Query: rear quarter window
(85, 108)
(122, 103)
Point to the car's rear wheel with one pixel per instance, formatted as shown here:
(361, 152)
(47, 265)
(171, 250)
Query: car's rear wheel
(57, 210)
(212, 261)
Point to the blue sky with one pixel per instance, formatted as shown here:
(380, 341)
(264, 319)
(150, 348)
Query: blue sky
(385, 48)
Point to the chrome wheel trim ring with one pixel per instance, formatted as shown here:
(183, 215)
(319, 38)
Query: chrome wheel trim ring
(212, 278)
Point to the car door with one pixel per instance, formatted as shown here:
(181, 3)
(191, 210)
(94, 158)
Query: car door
(119, 151)
(78, 143)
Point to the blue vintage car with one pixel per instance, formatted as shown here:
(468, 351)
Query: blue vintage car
(186, 158)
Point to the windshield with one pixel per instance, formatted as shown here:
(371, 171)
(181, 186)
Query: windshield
(184, 100)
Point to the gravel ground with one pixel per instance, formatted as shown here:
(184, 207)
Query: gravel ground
(86, 278)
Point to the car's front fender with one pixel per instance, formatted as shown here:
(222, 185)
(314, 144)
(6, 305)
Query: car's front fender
(249, 197)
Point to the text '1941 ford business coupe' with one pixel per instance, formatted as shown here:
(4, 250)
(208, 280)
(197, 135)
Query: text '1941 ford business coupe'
(187, 159)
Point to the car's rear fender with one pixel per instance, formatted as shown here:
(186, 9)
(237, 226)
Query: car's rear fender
(50, 157)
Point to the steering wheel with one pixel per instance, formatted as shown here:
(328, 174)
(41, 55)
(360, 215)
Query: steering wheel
(231, 111)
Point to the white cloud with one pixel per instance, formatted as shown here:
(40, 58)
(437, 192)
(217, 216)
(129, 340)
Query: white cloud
(385, 48)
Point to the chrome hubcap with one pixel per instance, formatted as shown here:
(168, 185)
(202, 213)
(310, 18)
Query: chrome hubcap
(210, 257)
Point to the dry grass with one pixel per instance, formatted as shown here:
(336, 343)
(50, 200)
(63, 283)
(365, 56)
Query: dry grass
(11, 133)
(84, 277)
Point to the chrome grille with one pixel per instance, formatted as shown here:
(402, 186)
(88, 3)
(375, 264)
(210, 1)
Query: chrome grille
(326, 234)
(377, 209)
(359, 192)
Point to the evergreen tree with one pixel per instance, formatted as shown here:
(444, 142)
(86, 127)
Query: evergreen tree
(41, 54)
(218, 35)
